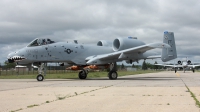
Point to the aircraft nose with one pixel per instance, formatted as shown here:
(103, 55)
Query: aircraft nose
(14, 57)
(10, 55)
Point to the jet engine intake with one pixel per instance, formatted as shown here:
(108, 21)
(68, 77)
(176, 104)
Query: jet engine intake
(179, 62)
(188, 62)
(125, 43)
(104, 43)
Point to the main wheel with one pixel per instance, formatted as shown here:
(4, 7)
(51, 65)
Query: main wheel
(112, 75)
(40, 77)
(193, 70)
(82, 74)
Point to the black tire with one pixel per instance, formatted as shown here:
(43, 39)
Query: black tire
(193, 70)
(175, 71)
(112, 75)
(40, 77)
(82, 74)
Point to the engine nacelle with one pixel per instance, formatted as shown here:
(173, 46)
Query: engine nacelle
(179, 62)
(188, 62)
(104, 43)
(125, 43)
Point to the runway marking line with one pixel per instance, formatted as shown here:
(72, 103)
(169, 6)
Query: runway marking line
(177, 74)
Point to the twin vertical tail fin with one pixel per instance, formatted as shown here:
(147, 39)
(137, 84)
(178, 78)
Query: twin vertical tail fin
(169, 53)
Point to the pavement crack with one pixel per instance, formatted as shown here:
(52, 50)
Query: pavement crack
(192, 94)
(69, 96)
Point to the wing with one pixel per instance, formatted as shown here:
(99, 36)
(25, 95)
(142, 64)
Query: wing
(119, 55)
(175, 66)
(166, 65)
(193, 66)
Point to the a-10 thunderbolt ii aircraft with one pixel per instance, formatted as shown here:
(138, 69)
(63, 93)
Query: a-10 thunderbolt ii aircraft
(185, 64)
(40, 52)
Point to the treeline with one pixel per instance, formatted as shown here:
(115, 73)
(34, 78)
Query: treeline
(144, 66)
(147, 65)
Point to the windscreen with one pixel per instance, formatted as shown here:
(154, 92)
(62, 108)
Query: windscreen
(39, 42)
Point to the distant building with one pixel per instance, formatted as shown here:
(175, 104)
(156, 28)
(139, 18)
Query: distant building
(24, 68)
(21, 68)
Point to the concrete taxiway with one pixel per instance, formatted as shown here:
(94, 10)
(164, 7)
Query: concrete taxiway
(153, 92)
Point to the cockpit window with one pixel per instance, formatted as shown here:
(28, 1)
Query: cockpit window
(39, 42)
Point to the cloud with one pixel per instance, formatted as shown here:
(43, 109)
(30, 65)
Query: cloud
(89, 21)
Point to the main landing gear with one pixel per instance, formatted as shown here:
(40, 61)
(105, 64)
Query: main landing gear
(41, 70)
(112, 74)
(113, 71)
(83, 74)
(193, 70)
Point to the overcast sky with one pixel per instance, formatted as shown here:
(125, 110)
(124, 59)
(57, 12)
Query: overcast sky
(88, 21)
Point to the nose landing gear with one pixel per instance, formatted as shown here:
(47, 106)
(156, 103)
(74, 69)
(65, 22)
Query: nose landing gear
(41, 70)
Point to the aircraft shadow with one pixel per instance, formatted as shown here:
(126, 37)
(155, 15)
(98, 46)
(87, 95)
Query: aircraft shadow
(119, 78)
(138, 78)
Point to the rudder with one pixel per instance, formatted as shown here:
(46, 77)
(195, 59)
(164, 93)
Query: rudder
(169, 53)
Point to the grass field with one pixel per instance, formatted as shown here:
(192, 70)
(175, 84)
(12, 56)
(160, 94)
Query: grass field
(74, 75)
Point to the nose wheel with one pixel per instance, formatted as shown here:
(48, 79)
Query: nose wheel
(40, 77)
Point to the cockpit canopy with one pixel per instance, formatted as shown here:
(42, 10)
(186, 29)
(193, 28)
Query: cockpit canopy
(39, 42)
